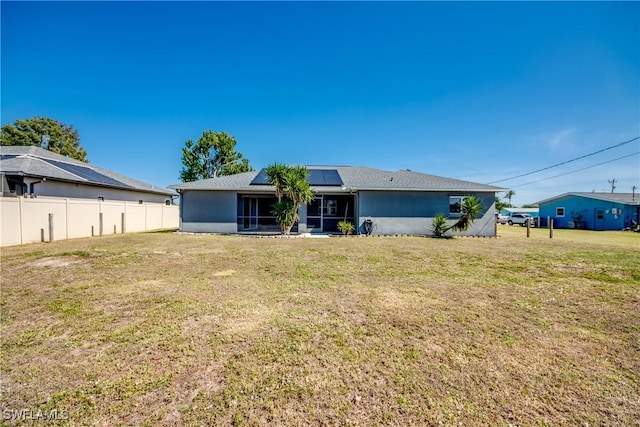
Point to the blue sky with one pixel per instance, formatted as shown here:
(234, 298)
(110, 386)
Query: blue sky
(469, 90)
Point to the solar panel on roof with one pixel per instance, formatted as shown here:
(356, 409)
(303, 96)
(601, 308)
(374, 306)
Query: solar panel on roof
(317, 177)
(324, 177)
(260, 179)
(85, 172)
(331, 177)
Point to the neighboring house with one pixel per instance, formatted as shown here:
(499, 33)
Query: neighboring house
(401, 202)
(47, 197)
(592, 211)
(33, 171)
(512, 211)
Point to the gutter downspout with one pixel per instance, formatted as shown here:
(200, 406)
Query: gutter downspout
(24, 186)
(33, 185)
(181, 208)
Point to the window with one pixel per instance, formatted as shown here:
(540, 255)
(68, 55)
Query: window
(559, 211)
(330, 207)
(455, 204)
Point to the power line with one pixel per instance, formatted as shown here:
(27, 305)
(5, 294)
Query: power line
(565, 162)
(578, 170)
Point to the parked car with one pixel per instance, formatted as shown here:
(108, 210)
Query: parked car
(501, 219)
(521, 219)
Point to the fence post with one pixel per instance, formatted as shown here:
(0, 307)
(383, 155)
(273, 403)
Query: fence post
(50, 227)
(22, 222)
(100, 225)
(66, 218)
(551, 228)
(528, 228)
(123, 222)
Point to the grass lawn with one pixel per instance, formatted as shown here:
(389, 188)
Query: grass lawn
(168, 329)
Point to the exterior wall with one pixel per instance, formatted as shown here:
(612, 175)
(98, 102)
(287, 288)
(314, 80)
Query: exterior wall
(209, 211)
(412, 212)
(392, 212)
(586, 208)
(26, 220)
(80, 191)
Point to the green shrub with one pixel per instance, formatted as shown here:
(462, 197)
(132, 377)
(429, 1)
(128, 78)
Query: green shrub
(346, 227)
(439, 225)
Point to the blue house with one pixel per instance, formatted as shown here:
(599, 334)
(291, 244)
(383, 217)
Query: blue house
(386, 202)
(591, 211)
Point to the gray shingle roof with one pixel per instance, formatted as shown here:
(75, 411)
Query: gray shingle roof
(29, 161)
(353, 177)
(626, 198)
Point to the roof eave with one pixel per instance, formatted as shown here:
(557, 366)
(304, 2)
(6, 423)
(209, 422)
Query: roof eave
(338, 189)
(588, 196)
(424, 190)
(95, 184)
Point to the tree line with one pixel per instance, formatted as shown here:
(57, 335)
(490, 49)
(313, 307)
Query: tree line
(213, 154)
(47, 133)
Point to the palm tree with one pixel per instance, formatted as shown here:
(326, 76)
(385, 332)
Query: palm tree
(439, 225)
(292, 190)
(276, 173)
(470, 209)
(285, 215)
(499, 204)
(508, 195)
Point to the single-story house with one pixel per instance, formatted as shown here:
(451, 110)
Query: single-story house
(34, 171)
(592, 211)
(400, 202)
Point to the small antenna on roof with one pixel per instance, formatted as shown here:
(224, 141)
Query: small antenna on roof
(44, 142)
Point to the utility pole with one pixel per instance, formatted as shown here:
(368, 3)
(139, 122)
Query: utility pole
(613, 184)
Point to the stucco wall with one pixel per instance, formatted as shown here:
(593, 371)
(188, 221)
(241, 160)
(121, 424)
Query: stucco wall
(391, 212)
(209, 212)
(81, 191)
(26, 220)
(413, 212)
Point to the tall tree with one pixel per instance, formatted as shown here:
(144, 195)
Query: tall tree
(213, 155)
(46, 133)
(292, 189)
(508, 195)
(276, 176)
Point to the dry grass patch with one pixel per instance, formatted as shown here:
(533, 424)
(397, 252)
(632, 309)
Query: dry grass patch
(167, 329)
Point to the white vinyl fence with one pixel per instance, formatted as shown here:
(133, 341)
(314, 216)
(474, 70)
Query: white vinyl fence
(45, 219)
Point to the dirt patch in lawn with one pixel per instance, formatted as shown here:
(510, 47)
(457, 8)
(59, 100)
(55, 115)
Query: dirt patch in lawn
(224, 273)
(55, 262)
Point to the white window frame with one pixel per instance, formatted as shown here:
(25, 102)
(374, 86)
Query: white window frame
(461, 202)
(563, 211)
